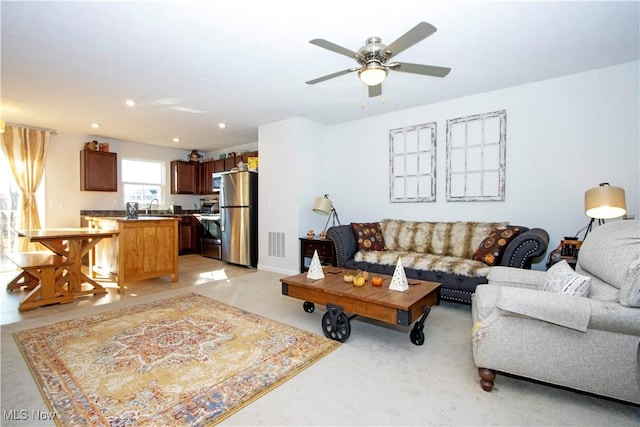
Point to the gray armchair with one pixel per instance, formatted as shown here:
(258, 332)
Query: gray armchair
(588, 343)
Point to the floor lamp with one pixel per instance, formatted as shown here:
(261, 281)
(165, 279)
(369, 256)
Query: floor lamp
(324, 206)
(604, 202)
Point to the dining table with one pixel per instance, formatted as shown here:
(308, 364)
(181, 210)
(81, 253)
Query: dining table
(72, 244)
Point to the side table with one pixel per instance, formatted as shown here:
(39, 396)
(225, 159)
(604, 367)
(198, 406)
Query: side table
(326, 252)
(567, 251)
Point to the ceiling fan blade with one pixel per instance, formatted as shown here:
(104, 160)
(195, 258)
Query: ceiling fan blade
(411, 37)
(375, 90)
(334, 48)
(330, 76)
(427, 70)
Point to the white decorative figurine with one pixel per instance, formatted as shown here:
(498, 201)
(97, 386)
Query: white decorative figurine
(399, 279)
(315, 269)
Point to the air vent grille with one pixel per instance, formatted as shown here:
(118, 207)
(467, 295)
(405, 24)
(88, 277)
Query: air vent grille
(276, 244)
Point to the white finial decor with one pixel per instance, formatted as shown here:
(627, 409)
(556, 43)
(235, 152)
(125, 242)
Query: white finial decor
(315, 269)
(399, 279)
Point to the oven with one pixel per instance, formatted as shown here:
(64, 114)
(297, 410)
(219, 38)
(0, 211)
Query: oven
(210, 239)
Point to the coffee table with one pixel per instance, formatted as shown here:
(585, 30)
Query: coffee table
(374, 302)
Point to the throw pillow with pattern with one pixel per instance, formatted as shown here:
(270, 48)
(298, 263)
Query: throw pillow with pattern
(369, 236)
(561, 279)
(493, 246)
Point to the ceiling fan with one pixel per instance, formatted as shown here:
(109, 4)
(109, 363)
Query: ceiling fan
(373, 56)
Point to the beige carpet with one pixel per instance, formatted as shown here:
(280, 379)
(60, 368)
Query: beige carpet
(377, 377)
(186, 360)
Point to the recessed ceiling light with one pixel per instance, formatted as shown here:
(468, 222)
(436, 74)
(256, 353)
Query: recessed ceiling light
(130, 102)
(95, 125)
(222, 125)
(176, 139)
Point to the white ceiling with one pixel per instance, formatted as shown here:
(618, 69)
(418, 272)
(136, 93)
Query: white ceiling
(192, 64)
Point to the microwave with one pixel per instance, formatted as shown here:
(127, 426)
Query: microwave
(216, 181)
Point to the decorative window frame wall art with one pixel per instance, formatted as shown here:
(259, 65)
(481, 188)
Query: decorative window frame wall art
(476, 157)
(412, 163)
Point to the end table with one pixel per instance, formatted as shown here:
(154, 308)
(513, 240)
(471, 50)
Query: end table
(326, 252)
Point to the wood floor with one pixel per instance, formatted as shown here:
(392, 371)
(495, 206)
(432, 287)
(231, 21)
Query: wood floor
(192, 268)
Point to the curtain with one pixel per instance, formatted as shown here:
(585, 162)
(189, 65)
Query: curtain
(26, 150)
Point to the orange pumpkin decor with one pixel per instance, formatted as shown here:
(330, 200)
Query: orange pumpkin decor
(376, 281)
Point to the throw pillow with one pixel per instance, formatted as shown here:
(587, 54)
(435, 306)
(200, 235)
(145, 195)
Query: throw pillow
(561, 279)
(369, 236)
(492, 248)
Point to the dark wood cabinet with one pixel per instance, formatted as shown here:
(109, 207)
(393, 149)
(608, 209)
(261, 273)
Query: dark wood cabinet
(245, 156)
(98, 171)
(195, 177)
(229, 163)
(185, 177)
(206, 170)
(218, 165)
(188, 235)
(326, 252)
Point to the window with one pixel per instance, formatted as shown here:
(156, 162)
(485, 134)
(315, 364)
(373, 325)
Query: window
(412, 163)
(476, 159)
(143, 181)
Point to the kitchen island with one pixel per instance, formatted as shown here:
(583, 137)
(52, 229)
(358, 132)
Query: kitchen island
(144, 248)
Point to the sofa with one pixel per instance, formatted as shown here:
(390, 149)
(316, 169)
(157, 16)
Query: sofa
(459, 255)
(576, 329)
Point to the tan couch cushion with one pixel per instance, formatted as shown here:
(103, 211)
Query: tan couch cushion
(426, 262)
(459, 239)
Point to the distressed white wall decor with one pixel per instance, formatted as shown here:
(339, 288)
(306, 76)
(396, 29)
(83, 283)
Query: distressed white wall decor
(412, 163)
(476, 157)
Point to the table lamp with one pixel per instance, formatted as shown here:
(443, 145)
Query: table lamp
(324, 206)
(604, 202)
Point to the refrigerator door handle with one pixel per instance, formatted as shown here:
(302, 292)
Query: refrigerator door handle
(222, 220)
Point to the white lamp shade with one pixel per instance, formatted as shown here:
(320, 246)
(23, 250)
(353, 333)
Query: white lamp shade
(605, 202)
(322, 206)
(372, 76)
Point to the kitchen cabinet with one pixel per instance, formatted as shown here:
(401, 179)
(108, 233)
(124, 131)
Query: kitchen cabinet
(229, 163)
(144, 248)
(218, 165)
(98, 171)
(188, 235)
(185, 177)
(207, 168)
(245, 156)
(195, 177)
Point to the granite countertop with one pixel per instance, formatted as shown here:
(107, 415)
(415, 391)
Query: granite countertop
(123, 213)
(140, 218)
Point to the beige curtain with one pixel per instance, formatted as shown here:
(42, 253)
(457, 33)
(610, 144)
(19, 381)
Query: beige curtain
(26, 150)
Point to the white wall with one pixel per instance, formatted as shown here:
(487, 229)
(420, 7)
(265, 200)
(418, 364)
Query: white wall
(291, 175)
(564, 136)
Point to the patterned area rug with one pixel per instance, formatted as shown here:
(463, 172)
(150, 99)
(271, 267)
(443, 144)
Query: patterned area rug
(187, 360)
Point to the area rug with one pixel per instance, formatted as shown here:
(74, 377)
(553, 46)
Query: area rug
(188, 360)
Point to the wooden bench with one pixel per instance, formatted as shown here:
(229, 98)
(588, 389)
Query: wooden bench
(42, 274)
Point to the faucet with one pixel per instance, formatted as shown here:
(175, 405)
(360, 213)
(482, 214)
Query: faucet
(151, 204)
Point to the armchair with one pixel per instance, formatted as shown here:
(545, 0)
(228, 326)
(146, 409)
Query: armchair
(587, 343)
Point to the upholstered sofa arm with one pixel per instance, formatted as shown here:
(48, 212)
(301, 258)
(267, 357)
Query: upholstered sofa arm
(516, 277)
(344, 241)
(492, 302)
(563, 310)
(525, 248)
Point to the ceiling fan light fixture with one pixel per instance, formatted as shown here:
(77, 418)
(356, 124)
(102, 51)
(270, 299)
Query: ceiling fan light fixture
(373, 74)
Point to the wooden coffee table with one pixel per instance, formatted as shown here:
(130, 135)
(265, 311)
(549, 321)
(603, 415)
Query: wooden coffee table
(375, 302)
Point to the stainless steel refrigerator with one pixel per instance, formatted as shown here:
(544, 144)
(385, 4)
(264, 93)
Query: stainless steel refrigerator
(239, 218)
